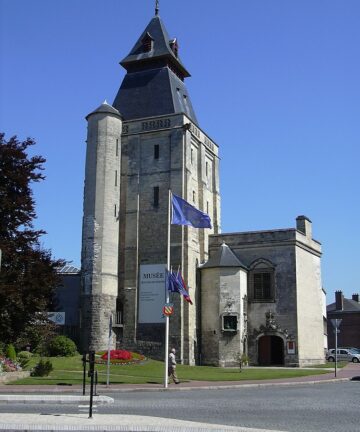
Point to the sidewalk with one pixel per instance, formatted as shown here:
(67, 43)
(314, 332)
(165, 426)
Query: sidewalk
(110, 422)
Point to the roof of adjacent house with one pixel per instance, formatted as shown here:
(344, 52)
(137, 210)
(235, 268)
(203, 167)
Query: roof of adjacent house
(68, 269)
(224, 257)
(349, 306)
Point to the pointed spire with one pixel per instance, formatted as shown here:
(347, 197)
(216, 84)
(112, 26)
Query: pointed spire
(156, 7)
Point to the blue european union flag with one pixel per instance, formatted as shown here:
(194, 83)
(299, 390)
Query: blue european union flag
(184, 213)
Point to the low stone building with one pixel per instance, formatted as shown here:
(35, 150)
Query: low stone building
(262, 296)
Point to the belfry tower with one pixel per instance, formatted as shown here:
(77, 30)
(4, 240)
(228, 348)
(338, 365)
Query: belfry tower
(161, 146)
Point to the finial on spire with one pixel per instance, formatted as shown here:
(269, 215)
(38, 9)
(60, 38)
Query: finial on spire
(157, 7)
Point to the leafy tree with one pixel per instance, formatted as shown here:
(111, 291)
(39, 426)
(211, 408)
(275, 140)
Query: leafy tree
(28, 274)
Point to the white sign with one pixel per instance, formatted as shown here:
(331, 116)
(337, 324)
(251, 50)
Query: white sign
(151, 293)
(57, 317)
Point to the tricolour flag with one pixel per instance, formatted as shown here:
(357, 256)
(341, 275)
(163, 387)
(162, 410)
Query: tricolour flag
(184, 213)
(175, 283)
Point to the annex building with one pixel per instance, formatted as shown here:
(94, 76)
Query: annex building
(254, 293)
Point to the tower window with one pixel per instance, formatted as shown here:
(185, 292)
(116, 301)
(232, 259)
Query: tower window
(207, 207)
(156, 196)
(174, 47)
(156, 151)
(207, 169)
(116, 178)
(117, 147)
(147, 43)
(115, 211)
(191, 156)
(194, 196)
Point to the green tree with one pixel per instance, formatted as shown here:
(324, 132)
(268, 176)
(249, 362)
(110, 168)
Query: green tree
(28, 275)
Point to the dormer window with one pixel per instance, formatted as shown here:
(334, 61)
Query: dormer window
(147, 42)
(174, 46)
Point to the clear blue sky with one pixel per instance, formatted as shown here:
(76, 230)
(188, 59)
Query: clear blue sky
(274, 82)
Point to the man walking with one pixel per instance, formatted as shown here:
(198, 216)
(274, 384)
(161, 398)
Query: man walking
(172, 366)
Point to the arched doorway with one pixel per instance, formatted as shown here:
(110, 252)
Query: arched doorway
(271, 351)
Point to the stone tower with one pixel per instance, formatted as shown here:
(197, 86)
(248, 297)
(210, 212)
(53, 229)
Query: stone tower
(162, 147)
(100, 234)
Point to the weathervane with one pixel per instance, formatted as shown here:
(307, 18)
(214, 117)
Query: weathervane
(157, 7)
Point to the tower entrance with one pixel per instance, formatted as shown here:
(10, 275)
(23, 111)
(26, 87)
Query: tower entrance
(270, 351)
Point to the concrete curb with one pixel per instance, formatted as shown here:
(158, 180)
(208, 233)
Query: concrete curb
(223, 386)
(104, 400)
(56, 399)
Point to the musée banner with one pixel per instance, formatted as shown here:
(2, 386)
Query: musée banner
(151, 293)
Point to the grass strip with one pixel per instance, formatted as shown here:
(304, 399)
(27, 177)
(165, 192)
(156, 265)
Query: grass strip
(68, 371)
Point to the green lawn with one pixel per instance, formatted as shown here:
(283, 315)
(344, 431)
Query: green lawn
(68, 371)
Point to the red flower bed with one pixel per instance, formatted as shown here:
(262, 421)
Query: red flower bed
(118, 355)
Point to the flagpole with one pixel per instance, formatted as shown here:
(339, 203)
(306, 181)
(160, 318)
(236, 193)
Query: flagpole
(167, 296)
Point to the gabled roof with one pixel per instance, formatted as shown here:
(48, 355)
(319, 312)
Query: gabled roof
(349, 306)
(223, 257)
(161, 48)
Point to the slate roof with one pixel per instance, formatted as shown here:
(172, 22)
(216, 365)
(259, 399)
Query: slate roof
(349, 306)
(153, 92)
(104, 108)
(223, 257)
(161, 47)
(68, 269)
(153, 85)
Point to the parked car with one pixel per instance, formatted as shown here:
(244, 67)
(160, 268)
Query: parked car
(343, 354)
(357, 350)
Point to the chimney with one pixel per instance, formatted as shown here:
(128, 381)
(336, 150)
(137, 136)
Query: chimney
(339, 300)
(304, 225)
(355, 297)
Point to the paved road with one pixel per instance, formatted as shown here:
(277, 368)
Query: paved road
(321, 407)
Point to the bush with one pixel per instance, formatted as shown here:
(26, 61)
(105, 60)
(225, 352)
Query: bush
(43, 368)
(61, 346)
(23, 358)
(10, 352)
(24, 354)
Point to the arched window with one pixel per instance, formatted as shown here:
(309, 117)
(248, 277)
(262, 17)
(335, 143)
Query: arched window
(262, 281)
(174, 46)
(147, 43)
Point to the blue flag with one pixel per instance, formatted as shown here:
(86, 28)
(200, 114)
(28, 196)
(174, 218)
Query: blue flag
(184, 213)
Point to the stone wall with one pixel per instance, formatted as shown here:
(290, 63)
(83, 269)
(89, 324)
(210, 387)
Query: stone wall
(13, 376)
(143, 225)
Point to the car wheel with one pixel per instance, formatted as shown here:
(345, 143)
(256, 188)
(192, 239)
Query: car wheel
(331, 359)
(355, 360)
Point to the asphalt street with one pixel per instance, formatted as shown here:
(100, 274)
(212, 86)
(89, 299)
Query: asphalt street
(321, 407)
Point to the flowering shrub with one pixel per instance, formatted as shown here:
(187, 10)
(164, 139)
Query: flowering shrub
(119, 357)
(7, 365)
